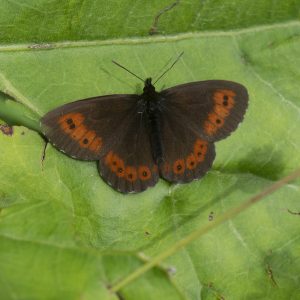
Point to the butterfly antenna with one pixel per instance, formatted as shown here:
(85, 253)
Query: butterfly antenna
(169, 67)
(127, 70)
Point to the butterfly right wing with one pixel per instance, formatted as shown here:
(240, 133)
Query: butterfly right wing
(85, 129)
(109, 129)
(129, 166)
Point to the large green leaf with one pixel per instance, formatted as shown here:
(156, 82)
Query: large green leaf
(65, 234)
(44, 21)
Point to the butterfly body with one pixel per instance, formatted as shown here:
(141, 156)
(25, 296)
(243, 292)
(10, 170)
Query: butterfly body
(152, 104)
(139, 138)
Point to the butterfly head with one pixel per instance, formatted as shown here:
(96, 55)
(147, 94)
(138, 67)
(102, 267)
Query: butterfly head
(149, 87)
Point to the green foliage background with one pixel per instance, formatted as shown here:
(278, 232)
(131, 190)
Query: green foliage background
(65, 234)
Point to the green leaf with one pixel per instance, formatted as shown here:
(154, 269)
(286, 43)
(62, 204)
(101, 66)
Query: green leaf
(50, 21)
(65, 234)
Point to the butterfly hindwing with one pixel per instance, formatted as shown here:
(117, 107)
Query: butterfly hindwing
(129, 167)
(186, 156)
(212, 108)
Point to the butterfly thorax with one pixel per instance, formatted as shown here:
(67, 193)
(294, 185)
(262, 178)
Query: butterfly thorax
(151, 98)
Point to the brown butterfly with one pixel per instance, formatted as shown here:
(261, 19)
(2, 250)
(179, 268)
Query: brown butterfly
(139, 138)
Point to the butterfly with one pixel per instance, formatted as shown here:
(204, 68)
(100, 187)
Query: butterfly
(137, 139)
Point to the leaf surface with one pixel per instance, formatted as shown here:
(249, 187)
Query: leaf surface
(65, 234)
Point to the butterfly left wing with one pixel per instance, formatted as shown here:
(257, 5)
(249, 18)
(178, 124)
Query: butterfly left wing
(212, 108)
(194, 115)
(185, 155)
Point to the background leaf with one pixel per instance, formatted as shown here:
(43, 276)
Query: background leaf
(65, 234)
(50, 21)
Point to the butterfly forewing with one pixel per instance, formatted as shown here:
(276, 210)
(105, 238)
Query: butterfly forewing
(212, 108)
(86, 129)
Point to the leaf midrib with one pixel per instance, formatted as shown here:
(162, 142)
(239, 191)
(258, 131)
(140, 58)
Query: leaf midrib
(143, 40)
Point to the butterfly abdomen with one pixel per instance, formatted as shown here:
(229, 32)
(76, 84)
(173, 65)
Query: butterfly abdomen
(155, 135)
